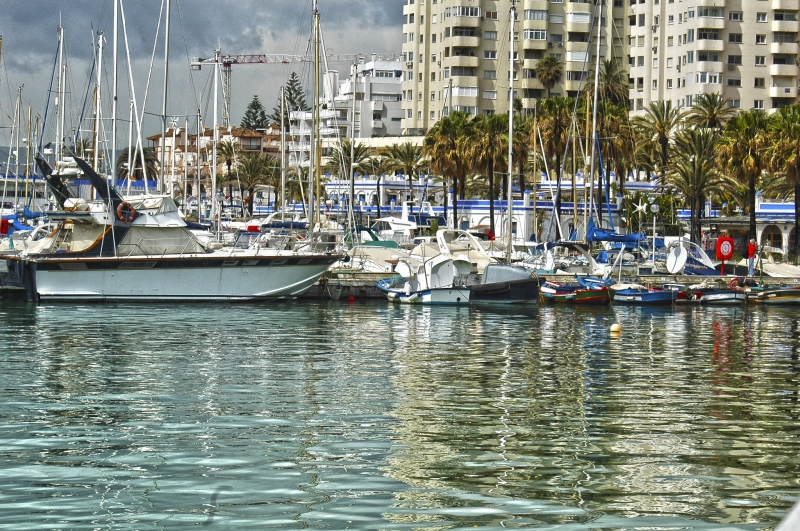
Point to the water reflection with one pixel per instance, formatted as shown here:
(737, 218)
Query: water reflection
(379, 416)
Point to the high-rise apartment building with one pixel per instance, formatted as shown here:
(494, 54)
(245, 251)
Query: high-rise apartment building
(465, 44)
(746, 50)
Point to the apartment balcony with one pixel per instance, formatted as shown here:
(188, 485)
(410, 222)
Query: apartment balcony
(534, 24)
(464, 42)
(461, 60)
(465, 101)
(464, 80)
(531, 83)
(783, 70)
(709, 66)
(708, 88)
(785, 25)
(784, 47)
(377, 124)
(537, 4)
(572, 85)
(706, 3)
(577, 46)
(466, 22)
(535, 45)
(708, 45)
(578, 27)
(711, 23)
(783, 92)
(790, 5)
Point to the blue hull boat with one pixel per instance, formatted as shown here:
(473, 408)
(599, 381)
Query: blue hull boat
(642, 295)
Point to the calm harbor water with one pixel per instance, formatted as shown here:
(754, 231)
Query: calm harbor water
(371, 416)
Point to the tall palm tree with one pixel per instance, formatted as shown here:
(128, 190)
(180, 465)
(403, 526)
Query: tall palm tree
(522, 145)
(548, 72)
(657, 127)
(340, 158)
(447, 147)
(229, 151)
(784, 155)
(378, 165)
(150, 164)
(489, 146)
(556, 118)
(694, 172)
(613, 83)
(253, 170)
(743, 152)
(407, 158)
(710, 110)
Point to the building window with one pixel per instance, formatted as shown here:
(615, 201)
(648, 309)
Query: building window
(669, 83)
(535, 14)
(535, 35)
(490, 74)
(759, 82)
(790, 16)
(490, 15)
(463, 11)
(735, 38)
(490, 35)
(734, 59)
(761, 60)
(736, 16)
(734, 82)
(489, 54)
(490, 94)
(761, 39)
(734, 104)
(712, 12)
(761, 17)
(758, 104)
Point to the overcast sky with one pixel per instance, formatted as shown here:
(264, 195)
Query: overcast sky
(29, 31)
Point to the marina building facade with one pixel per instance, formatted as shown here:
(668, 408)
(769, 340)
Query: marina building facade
(746, 50)
(456, 52)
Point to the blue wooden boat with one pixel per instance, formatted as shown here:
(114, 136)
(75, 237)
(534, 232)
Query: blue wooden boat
(642, 295)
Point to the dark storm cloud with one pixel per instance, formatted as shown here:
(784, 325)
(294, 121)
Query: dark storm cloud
(29, 30)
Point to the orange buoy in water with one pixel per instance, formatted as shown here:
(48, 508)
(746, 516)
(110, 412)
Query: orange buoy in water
(352, 299)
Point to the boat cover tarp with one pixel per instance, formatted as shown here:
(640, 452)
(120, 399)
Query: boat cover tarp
(147, 241)
(595, 234)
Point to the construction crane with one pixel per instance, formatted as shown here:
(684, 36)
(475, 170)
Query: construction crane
(227, 62)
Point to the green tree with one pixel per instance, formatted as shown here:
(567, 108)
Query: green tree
(229, 151)
(694, 172)
(255, 117)
(340, 158)
(378, 165)
(295, 101)
(657, 128)
(548, 72)
(150, 164)
(406, 158)
(743, 152)
(613, 83)
(447, 147)
(556, 117)
(253, 170)
(784, 153)
(710, 110)
(489, 147)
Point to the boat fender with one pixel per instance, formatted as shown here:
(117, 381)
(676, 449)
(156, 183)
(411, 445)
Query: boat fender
(125, 212)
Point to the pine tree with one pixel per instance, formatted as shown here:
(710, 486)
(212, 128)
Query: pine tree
(255, 117)
(295, 100)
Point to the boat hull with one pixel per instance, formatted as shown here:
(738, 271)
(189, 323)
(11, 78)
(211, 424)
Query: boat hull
(778, 297)
(511, 292)
(648, 298)
(213, 277)
(596, 297)
(431, 296)
(726, 297)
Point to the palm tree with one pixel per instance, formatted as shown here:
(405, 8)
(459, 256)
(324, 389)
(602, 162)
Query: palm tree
(555, 123)
(340, 158)
(548, 72)
(785, 155)
(407, 158)
(693, 171)
(613, 83)
(229, 151)
(710, 110)
(489, 146)
(743, 151)
(253, 170)
(522, 145)
(447, 147)
(378, 165)
(150, 164)
(657, 127)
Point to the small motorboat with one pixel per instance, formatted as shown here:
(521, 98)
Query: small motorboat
(553, 292)
(642, 295)
(783, 295)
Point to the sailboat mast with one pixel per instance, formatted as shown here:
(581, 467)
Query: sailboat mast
(60, 96)
(351, 216)
(283, 153)
(164, 102)
(115, 46)
(97, 102)
(215, 140)
(513, 16)
(594, 108)
(28, 155)
(317, 139)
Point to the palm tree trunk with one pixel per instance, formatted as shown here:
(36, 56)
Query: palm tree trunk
(796, 217)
